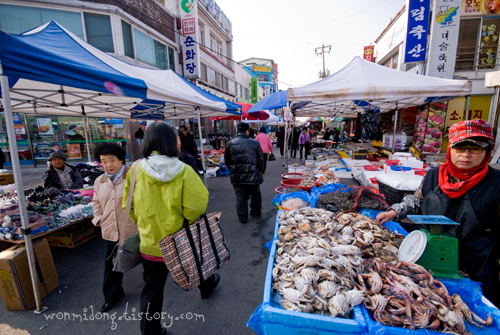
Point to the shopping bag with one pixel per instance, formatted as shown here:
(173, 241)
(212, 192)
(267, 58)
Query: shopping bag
(126, 254)
(272, 157)
(194, 253)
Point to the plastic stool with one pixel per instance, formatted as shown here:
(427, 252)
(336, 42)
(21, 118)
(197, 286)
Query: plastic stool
(223, 170)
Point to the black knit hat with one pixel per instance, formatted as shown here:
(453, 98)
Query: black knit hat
(56, 155)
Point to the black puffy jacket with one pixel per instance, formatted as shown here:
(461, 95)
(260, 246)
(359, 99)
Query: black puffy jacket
(245, 160)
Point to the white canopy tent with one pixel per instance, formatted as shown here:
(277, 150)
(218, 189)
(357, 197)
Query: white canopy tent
(50, 71)
(363, 85)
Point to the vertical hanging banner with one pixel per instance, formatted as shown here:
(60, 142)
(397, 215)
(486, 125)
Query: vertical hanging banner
(191, 50)
(368, 52)
(255, 90)
(444, 38)
(417, 31)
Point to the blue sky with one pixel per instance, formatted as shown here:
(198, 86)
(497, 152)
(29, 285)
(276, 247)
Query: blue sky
(289, 31)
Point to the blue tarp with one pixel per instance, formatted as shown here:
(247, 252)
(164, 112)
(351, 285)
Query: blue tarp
(273, 101)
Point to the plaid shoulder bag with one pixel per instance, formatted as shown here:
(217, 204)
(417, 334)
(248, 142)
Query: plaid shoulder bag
(195, 252)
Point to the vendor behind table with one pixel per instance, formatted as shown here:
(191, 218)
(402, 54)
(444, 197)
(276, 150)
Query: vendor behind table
(465, 190)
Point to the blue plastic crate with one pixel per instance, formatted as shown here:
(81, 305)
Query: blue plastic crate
(270, 318)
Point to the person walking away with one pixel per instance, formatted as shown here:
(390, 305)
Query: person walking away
(184, 156)
(189, 142)
(465, 190)
(266, 146)
(281, 140)
(166, 192)
(2, 158)
(304, 142)
(108, 214)
(251, 133)
(335, 137)
(245, 160)
(327, 135)
(139, 135)
(61, 175)
(294, 140)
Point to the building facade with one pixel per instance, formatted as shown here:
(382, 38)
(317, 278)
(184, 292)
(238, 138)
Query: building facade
(265, 70)
(476, 54)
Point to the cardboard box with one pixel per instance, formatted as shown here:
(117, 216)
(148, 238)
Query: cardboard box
(72, 236)
(6, 178)
(16, 288)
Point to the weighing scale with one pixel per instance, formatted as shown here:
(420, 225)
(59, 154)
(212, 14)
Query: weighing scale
(432, 248)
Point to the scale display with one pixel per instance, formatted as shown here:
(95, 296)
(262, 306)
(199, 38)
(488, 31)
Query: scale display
(412, 247)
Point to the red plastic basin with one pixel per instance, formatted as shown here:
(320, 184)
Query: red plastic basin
(392, 162)
(371, 167)
(291, 175)
(374, 180)
(291, 182)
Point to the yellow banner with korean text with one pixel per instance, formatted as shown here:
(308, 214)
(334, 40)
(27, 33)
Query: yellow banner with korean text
(478, 7)
(479, 108)
(258, 68)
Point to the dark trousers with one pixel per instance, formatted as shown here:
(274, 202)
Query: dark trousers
(243, 192)
(281, 150)
(304, 147)
(112, 284)
(155, 276)
(294, 150)
(266, 157)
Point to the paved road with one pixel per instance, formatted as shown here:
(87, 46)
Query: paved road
(227, 311)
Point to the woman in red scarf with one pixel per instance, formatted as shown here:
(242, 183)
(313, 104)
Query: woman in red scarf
(466, 190)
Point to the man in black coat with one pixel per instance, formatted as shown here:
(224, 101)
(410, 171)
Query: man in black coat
(245, 160)
(61, 175)
(189, 144)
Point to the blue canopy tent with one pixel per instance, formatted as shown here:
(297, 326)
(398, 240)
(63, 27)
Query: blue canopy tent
(50, 71)
(273, 101)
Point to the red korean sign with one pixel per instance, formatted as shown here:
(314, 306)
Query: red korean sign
(275, 68)
(368, 53)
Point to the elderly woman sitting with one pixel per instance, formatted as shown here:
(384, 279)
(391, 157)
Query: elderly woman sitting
(61, 175)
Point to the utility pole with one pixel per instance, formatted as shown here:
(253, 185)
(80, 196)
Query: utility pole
(322, 52)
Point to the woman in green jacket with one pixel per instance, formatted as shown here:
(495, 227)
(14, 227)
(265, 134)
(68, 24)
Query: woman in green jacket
(165, 193)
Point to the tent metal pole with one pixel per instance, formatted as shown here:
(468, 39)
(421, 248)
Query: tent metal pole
(202, 151)
(285, 144)
(16, 168)
(86, 137)
(395, 126)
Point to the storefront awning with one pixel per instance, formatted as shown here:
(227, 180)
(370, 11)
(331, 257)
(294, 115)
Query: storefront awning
(52, 71)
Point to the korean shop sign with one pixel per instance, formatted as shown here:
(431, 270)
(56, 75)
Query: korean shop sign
(444, 38)
(255, 90)
(417, 31)
(257, 68)
(368, 53)
(191, 50)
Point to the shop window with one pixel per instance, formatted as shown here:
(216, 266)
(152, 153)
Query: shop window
(263, 77)
(216, 46)
(467, 44)
(211, 76)
(219, 80)
(201, 29)
(225, 81)
(128, 45)
(149, 50)
(203, 72)
(98, 29)
(238, 92)
(230, 86)
(171, 59)
(18, 19)
(489, 43)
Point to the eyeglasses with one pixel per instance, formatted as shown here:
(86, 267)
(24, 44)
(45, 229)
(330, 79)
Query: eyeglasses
(472, 150)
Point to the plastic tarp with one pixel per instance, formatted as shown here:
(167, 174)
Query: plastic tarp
(273, 101)
(278, 200)
(52, 71)
(378, 86)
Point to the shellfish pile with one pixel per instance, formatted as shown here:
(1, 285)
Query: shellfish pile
(406, 295)
(327, 263)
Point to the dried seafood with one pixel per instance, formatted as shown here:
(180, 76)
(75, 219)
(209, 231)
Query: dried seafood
(406, 295)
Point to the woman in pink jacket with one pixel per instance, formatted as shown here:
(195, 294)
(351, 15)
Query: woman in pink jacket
(265, 144)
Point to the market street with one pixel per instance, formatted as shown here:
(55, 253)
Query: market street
(240, 291)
